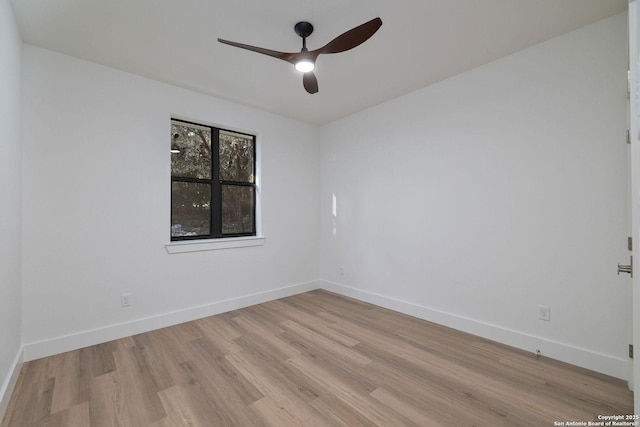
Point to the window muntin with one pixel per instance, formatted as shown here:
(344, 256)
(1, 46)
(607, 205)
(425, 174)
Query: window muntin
(213, 187)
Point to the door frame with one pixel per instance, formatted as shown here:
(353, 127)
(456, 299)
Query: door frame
(634, 174)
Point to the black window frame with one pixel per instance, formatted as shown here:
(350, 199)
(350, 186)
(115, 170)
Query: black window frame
(215, 211)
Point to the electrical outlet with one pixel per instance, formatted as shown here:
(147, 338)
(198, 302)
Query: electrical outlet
(544, 312)
(342, 271)
(125, 300)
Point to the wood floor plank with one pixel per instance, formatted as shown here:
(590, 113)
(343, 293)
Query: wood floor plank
(400, 404)
(340, 412)
(314, 359)
(274, 370)
(165, 422)
(258, 332)
(98, 359)
(32, 404)
(475, 388)
(222, 375)
(105, 397)
(275, 387)
(447, 403)
(220, 333)
(316, 340)
(161, 354)
(75, 416)
(139, 401)
(272, 415)
(188, 405)
(229, 408)
(303, 317)
(70, 386)
(349, 392)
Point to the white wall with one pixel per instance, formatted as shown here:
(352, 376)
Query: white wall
(97, 207)
(473, 201)
(10, 206)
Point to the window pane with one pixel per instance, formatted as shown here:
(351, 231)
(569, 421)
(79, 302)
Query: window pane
(190, 209)
(237, 209)
(190, 151)
(236, 157)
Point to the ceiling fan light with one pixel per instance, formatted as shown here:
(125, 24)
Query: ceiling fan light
(305, 65)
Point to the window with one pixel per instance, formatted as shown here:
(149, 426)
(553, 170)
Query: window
(213, 186)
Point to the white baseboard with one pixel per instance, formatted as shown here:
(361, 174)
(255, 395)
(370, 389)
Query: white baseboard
(588, 359)
(10, 382)
(36, 350)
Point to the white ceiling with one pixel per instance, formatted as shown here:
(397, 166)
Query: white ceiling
(420, 42)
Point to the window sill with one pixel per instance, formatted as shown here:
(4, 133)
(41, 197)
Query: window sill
(212, 245)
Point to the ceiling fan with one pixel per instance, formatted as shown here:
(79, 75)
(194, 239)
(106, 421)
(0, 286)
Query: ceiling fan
(304, 61)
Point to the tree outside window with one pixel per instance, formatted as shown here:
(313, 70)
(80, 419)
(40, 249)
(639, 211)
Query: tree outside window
(213, 189)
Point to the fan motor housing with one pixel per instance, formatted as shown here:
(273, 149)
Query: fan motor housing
(303, 29)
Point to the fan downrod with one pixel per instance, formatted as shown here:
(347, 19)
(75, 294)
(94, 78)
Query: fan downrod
(303, 29)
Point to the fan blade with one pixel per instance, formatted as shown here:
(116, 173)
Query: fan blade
(289, 57)
(352, 38)
(310, 82)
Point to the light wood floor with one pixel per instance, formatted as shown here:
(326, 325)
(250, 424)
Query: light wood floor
(315, 359)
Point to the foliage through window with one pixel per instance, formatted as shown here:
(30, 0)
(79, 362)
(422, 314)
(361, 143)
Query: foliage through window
(213, 187)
